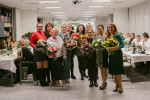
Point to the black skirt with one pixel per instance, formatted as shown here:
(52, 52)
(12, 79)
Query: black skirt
(40, 56)
(116, 63)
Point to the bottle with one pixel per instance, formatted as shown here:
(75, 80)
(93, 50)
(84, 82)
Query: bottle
(133, 48)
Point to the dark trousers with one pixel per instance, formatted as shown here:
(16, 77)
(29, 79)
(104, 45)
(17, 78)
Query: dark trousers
(81, 62)
(56, 68)
(72, 63)
(92, 69)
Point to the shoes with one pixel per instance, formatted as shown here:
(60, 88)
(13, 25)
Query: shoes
(95, 83)
(100, 88)
(91, 84)
(116, 89)
(73, 77)
(120, 92)
(58, 84)
(82, 78)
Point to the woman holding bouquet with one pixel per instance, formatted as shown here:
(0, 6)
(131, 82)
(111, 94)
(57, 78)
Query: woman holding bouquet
(56, 41)
(40, 58)
(81, 58)
(91, 60)
(66, 69)
(116, 59)
(102, 57)
(48, 32)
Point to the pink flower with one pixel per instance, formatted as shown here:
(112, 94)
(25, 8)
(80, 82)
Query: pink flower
(68, 45)
(86, 48)
(83, 47)
(48, 49)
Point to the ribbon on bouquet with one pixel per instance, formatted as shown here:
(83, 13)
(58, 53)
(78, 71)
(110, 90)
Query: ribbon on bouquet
(53, 55)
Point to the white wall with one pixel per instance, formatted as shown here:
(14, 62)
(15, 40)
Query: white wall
(103, 21)
(45, 20)
(18, 24)
(29, 21)
(121, 20)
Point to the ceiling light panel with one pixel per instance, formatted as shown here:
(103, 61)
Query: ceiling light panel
(45, 2)
(96, 6)
(104, 1)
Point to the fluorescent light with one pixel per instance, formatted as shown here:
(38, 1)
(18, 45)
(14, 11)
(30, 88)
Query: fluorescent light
(63, 18)
(54, 1)
(59, 15)
(86, 16)
(57, 12)
(101, 0)
(92, 19)
(96, 6)
(53, 7)
(90, 12)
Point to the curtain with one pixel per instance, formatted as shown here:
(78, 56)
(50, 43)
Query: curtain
(139, 18)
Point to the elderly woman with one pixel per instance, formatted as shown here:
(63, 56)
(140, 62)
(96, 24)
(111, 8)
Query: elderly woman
(25, 54)
(66, 69)
(56, 40)
(40, 58)
(116, 59)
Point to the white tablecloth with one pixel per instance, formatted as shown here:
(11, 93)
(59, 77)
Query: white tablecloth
(7, 63)
(136, 57)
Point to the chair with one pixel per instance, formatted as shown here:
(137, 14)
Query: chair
(24, 69)
(126, 65)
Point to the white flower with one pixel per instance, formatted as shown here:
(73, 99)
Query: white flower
(96, 44)
(98, 40)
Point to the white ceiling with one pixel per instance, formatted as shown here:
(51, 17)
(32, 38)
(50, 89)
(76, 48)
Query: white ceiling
(71, 11)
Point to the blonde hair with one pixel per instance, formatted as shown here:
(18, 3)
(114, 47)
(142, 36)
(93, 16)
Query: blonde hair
(55, 29)
(115, 32)
(90, 25)
(92, 35)
(22, 42)
(64, 24)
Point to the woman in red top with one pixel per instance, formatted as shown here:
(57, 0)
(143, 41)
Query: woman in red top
(40, 58)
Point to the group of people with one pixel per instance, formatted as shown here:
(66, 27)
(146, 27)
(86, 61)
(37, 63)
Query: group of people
(58, 71)
(144, 43)
(61, 68)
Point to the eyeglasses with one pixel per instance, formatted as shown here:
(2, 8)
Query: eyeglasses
(40, 26)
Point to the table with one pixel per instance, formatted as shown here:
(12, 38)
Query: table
(135, 58)
(7, 63)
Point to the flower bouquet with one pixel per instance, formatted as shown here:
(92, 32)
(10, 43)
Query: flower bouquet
(27, 35)
(70, 44)
(41, 45)
(51, 51)
(97, 45)
(111, 43)
(86, 49)
(83, 37)
(76, 37)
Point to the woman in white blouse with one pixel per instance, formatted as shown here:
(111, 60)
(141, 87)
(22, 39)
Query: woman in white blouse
(137, 41)
(56, 40)
(128, 38)
(145, 43)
